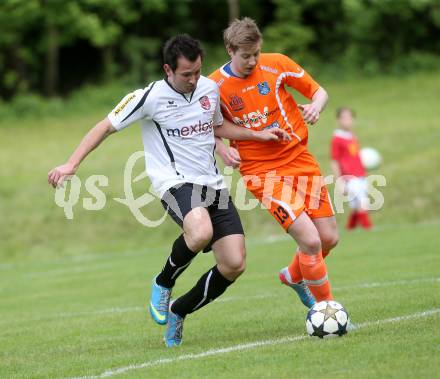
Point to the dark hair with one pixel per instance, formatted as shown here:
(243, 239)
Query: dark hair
(181, 46)
(340, 110)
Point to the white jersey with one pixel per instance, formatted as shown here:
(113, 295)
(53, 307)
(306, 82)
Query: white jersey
(177, 132)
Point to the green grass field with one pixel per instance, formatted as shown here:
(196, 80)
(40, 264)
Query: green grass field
(85, 316)
(73, 292)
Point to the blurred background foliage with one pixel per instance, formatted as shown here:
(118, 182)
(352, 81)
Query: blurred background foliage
(52, 48)
(65, 63)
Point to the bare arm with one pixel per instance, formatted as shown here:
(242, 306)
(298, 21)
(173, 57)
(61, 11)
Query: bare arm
(312, 111)
(230, 131)
(90, 141)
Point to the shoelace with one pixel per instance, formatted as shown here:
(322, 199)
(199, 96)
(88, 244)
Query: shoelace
(305, 287)
(163, 301)
(307, 290)
(179, 329)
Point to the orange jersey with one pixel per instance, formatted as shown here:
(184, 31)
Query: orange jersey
(261, 101)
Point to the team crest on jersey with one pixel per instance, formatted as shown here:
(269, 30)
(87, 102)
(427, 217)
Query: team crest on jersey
(205, 103)
(263, 88)
(236, 103)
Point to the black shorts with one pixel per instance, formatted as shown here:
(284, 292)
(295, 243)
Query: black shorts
(182, 198)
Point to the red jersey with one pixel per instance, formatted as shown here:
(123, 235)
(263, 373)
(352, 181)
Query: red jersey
(345, 151)
(261, 101)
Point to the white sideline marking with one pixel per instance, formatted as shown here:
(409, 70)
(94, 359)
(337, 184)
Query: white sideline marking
(247, 346)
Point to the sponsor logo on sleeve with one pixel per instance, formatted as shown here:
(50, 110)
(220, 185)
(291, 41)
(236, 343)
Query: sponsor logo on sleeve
(124, 103)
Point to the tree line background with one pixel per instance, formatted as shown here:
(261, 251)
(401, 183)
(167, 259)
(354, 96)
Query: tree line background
(52, 47)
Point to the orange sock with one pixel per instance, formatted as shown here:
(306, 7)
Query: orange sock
(314, 272)
(294, 269)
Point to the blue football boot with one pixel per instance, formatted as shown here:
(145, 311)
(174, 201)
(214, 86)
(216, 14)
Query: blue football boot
(159, 303)
(300, 288)
(173, 334)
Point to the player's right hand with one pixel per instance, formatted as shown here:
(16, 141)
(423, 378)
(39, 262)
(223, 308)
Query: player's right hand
(310, 113)
(59, 174)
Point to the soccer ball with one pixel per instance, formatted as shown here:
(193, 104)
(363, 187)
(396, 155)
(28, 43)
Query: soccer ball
(327, 319)
(370, 158)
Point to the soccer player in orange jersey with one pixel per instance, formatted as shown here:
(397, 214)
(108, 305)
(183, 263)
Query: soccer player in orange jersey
(285, 177)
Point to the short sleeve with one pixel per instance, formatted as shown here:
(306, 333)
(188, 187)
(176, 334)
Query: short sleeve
(131, 108)
(296, 77)
(218, 117)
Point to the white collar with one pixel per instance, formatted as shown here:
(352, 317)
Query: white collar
(343, 134)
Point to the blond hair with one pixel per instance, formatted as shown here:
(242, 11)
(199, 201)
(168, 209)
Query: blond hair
(241, 33)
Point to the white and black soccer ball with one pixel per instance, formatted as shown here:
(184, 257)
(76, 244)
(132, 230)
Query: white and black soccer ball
(370, 158)
(327, 319)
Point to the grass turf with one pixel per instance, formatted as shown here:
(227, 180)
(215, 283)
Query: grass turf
(73, 291)
(84, 316)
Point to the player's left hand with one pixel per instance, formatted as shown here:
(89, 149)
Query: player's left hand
(310, 113)
(282, 135)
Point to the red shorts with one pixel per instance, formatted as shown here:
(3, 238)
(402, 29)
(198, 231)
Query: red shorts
(291, 189)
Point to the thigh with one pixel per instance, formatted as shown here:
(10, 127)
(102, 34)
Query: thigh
(305, 233)
(327, 228)
(182, 199)
(197, 219)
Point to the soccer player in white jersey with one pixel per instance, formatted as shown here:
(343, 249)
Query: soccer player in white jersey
(179, 116)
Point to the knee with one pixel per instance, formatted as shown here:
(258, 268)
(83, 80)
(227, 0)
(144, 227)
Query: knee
(200, 236)
(329, 241)
(235, 266)
(238, 267)
(311, 245)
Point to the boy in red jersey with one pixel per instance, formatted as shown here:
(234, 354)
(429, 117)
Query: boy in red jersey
(285, 178)
(346, 162)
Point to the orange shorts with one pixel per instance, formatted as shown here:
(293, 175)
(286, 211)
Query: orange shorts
(291, 189)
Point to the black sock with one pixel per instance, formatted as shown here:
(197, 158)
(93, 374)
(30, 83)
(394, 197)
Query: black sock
(179, 259)
(209, 287)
